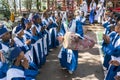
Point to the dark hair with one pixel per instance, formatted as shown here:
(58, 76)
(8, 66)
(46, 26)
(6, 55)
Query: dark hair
(24, 14)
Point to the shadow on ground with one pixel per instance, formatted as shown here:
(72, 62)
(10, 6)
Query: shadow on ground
(89, 66)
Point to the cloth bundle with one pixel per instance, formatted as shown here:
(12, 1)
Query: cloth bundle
(84, 43)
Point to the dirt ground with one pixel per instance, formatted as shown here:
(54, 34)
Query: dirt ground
(89, 64)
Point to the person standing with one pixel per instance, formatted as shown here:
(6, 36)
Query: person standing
(92, 12)
(69, 58)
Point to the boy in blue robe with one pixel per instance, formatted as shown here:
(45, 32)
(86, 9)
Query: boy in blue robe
(69, 58)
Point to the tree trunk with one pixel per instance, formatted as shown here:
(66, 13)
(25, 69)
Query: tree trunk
(37, 1)
(20, 5)
(15, 6)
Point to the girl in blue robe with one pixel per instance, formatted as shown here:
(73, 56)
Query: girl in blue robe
(92, 12)
(5, 47)
(3, 65)
(115, 57)
(53, 33)
(20, 40)
(107, 57)
(21, 68)
(46, 32)
(38, 46)
(69, 58)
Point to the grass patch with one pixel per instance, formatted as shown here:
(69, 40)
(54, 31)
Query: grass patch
(100, 37)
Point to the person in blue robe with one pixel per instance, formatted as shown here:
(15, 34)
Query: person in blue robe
(53, 33)
(92, 12)
(46, 23)
(81, 18)
(115, 57)
(20, 68)
(3, 65)
(20, 40)
(69, 58)
(24, 17)
(107, 57)
(37, 28)
(6, 44)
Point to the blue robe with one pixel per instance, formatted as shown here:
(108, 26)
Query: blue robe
(5, 48)
(65, 54)
(112, 71)
(3, 70)
(21, 73)
(92, 16)
(53, 33)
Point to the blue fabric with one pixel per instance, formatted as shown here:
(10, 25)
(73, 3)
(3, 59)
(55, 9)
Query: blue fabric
(106, 61)
(51, 26)
(18, 28)
(15, 53)
(34, 39)
(18, 78)
(3, 30)
(3, 70)
(116, 52)
(109, 48)
(29, 73)
(36, 16)
(35, 59)
(63, 60)
(112, 73)
(26, 21)
(106, 24)
(74, 63)
(91, 17)
(53, 40)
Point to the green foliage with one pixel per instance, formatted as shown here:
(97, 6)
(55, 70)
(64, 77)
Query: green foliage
(4, 9)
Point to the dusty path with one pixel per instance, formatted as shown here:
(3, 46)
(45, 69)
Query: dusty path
(89, 65)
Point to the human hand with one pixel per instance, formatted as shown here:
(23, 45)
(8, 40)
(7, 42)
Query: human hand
(2, 58)
(117, 77)
(12, 42)
(60, 38)
(106, 38)
(114, 62)
(28, 42)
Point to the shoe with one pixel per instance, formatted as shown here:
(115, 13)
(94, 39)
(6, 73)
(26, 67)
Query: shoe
(70, 72)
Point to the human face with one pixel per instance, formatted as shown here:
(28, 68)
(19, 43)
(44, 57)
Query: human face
(28, 25)
(6, 36)
(117, 29)
(21, 34)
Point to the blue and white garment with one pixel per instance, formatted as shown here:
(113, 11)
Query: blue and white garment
(112, 71)
(38, 56)
(53, 42)
(46, 32)
(24, 47)
(19, 73)
(81, 19)
(107, 57)
(92, 12)
(3, 67)
(69, 58)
